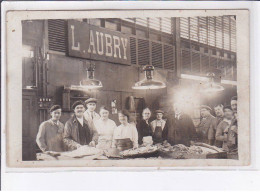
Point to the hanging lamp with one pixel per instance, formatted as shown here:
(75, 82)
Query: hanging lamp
(211, 86)
(90, 82)
(148, 82)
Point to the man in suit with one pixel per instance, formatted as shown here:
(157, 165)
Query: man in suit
(181, 129)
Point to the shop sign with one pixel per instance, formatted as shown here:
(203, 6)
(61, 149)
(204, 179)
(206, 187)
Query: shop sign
(92, 42)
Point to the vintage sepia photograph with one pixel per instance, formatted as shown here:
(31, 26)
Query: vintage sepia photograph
(151, 89)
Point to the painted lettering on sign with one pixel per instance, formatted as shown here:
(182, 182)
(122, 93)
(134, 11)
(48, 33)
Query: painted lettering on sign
(93, 42)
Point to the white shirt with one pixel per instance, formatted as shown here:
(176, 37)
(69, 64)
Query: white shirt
(126, 131)
(80, 120)
(105, 129)
(91, 121)
(177, 116)
(91, 116)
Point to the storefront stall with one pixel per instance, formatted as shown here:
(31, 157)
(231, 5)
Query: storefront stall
(57, 54)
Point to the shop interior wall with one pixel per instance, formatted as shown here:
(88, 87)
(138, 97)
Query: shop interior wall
(63, 70)
(117, 82)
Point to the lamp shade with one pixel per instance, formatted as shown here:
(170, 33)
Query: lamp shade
(89, 83)
(148, 82)
(211, 86)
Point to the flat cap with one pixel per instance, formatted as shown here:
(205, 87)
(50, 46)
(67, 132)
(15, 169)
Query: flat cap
(159, 111)
(55, 107)
(91, 100)
(205, 107)
(79, 102)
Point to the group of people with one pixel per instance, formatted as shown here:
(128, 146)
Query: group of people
(87, 127)
(221, 130)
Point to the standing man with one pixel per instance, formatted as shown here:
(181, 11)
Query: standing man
(49, 137)
(205, 123)
(158, 128)
(233, 130)
(90, 115)
(77, 131)
(223, 127)
(181, 129)
(213, 128)
(234, 104)
(143, 126)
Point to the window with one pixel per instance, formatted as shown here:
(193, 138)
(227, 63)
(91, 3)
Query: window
(217, 32)
(163, 24)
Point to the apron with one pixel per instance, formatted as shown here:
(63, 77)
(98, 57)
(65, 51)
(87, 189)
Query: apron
(157, 134)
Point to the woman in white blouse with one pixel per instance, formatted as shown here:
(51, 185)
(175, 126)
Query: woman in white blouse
(105, 128)
(125, 131)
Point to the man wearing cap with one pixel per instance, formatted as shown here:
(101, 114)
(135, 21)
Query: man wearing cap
(213, 128)
(205, 123)
(90, 115)
(223, 127)
(77, 131)
(49, 137)
(159, 131)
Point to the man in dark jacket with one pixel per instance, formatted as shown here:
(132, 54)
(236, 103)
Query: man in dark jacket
(205, 124)
(213, 128)
(143, 126)
(181, 129)
(77, 131)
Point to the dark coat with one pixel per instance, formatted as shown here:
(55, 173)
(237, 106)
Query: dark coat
(71, 133)
(144, 130)
(180, 131)
(212, 132)
(203, 129)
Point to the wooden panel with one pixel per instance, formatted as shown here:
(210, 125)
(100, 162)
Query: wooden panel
(32, 32)
(213, 62)
(203, 30)
(195, 63)
(157, 55)
(211, 31)
(186, 61)
(133, 50)
(184, 25)
(204, 64)
(57, 34)
(233, 34)
(219, 41)
(166, 25)
(226, 35)
(221, 67)
(194, 33)
(143, 52)
(28, 72)
(228, 70)
(169, 57)
(29, 126)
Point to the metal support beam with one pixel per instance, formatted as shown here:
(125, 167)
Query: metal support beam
(177, 40)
